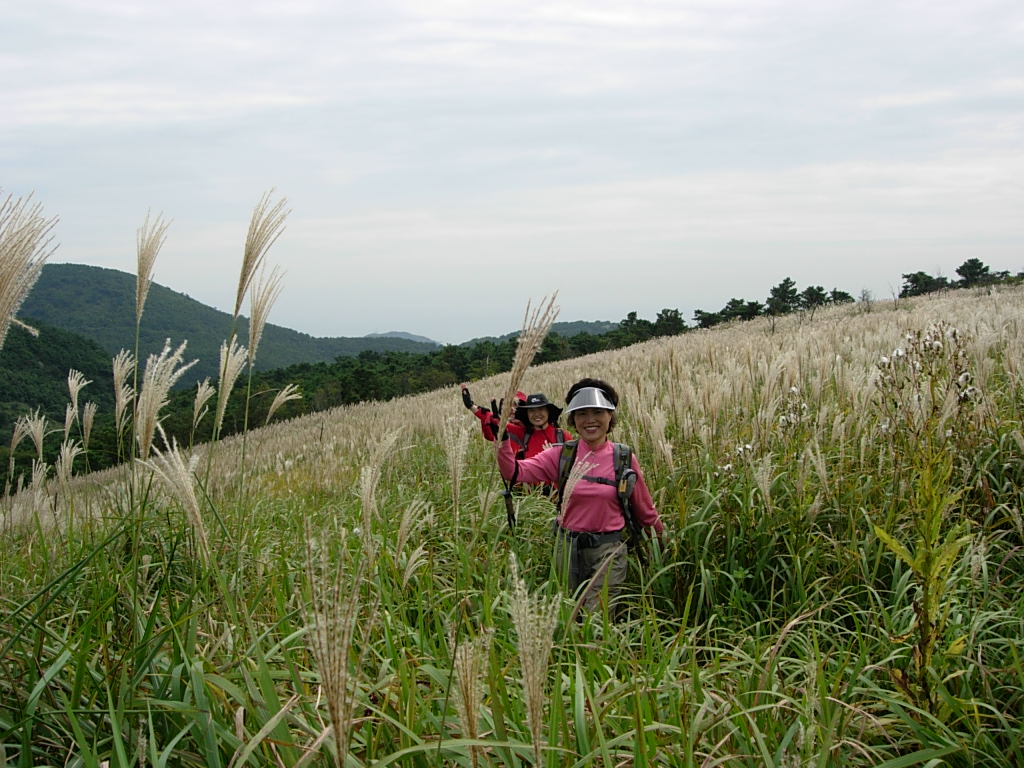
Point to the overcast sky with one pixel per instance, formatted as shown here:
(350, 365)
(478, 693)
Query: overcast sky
(446, 161)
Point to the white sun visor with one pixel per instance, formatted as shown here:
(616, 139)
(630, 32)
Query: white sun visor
(589, 397)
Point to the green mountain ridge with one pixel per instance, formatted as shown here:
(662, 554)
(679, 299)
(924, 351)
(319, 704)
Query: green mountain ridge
(99, 304)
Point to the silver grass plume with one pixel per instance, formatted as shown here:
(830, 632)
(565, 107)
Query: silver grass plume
(342, 614)
(124, 394)
(232, 359)
(456, 440)
(162, 371)
(263, 295)
(470, 661)
(415, 514)
(36, 427)
(369, 480)
(69, 451)
(576, 473)
(178, 477)
(204, 391)
(536, 324)
(25, 245)
(76, 381)
(149, 239)
(265, 226)
(534, 618)
(21, 431)
(88, 416)
(69, 419)
(288, 393)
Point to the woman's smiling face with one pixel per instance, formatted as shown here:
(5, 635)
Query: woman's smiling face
(538, 417)
(592, 424)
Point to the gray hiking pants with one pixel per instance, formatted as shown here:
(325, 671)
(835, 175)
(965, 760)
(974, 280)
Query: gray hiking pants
(590, 562)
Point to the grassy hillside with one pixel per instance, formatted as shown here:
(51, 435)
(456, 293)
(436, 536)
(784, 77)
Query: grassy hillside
(99, 304)
(839, 583)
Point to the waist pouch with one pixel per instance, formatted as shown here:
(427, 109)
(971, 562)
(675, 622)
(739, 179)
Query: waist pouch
(587, 539)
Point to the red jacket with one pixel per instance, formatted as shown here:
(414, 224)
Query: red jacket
(526, 446)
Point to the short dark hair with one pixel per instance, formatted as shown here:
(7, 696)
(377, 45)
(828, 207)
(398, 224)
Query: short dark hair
(604, 386)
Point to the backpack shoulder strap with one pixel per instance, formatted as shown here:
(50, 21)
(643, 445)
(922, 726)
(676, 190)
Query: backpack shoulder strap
(622, 460)
(521, 442)
(566, 458)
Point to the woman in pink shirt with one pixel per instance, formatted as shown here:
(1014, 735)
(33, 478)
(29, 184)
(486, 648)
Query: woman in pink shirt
(591, 527)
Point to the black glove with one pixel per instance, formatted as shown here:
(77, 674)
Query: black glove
(466, 399)
(496, 406)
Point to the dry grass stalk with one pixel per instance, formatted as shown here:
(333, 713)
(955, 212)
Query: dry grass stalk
(162, 371)
(76, 381)
(415, 514)
(337, 614)
(178, 477)
(124, 394)
(263, 295)
(369, 480)
(536, 325)
(204, 391)
(265, 227)
(576, 473)
(25, 245)
(88, 417)
(69, 419)
(149, 239)
(232, 358)
(36, 428)
(469, 661)
(534, 618)
(21, 431)
(456, 440)
(69, 451)
(289, 393)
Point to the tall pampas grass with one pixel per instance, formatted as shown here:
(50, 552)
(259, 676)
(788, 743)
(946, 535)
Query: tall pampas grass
(232, 359)
(341, 616)
(88, 417)
(456, 440)
(579, 468)
(162, 371)
(76, 382)
(265, 292)
(25, 245)
(35, 425)
(178, 477)
(69, 451)
(288, 393)
(537, 323)
(265, 226)
(124, 393)
(21, 431)
(470, 661)
(534, 618)
(149, 239)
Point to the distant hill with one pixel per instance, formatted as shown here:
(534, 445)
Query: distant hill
(34, 373)
(568, 329)
(99, 303)
(403, 335)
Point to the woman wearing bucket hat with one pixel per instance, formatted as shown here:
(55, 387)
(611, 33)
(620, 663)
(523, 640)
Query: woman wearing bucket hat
(609, 498)
(533, 428)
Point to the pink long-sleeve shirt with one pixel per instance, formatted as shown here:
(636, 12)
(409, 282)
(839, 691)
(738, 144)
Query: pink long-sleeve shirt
(592, 507)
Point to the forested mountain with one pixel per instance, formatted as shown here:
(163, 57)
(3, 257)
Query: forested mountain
(593, 328)
(34, 373)
(99, 304)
